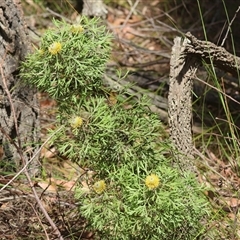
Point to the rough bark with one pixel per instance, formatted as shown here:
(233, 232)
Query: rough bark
(210, 53)
(94, 8)
(182, 70)
(14, 46)
(185, 58)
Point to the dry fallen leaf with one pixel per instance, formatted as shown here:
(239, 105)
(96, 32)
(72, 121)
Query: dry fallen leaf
(48, 186)
(67, 185)
(112, 99)
(5, 206)
(48, 153)
(85, 187)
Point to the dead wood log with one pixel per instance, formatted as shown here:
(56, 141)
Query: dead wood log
(212, 54)
(186, 56)
(182, 70)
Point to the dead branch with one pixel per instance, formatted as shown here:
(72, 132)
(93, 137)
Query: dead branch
(182, 71)
(212, 54)
(186, 56)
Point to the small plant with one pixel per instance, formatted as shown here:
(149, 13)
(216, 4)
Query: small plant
(136, 193)
(70, 61)
(109, 136)
(139, 202)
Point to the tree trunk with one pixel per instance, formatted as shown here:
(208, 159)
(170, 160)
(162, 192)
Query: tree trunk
(19, 111)
(94, 8)
(182, 71)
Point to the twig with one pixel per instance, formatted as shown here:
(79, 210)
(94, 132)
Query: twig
(144, 50)
(229, 27)
(25, 166)
(44, 229)
(146, 64)
(203, 157)
(218, 90)
(130, 14)
(58, 15)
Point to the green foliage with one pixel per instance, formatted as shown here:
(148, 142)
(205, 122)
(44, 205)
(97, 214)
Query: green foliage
(110, 136)
(127, 209)
(76, 68)
(121, 141)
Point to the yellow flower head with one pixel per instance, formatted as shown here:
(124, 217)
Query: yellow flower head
(76, 28)
(55, 48)
(99, 187)
(76, 122)
(152, 181)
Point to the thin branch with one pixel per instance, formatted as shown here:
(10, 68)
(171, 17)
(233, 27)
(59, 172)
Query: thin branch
(32, 158)
(212, 54)
(58, 15)
(217, 89)
(130, 13)
(39, 220)
(229, 27)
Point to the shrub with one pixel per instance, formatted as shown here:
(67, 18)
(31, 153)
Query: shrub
(70, 61)
(129, 209)
(109, 136)
(135, 193)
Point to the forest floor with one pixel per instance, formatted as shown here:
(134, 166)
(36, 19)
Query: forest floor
(143, 39)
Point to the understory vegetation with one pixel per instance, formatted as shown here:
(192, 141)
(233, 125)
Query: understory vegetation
(108, 168)
(135, 193)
